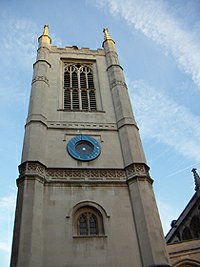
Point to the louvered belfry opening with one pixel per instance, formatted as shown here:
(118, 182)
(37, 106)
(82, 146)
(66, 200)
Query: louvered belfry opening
(79, 91)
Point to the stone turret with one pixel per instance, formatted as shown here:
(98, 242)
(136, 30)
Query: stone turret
(132, 147)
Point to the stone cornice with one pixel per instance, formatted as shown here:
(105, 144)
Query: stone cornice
(32, 169)
(138, 171)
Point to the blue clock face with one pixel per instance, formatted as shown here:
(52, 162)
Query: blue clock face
(84, 148)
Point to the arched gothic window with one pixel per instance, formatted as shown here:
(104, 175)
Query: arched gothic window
(89, 222)
(79, 90)
(195, 226)
(186, 234)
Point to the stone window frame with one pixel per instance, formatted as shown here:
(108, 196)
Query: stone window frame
(96, 210)
(79, 87)
(89, 212)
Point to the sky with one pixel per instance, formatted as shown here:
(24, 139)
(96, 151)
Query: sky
(158, 43)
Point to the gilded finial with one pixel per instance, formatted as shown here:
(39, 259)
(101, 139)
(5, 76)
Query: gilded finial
(106, 34)
(44, 38)
(46, 30)
(196, 179)
(107, 37)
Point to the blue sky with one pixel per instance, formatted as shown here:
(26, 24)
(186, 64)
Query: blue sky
(158, 43)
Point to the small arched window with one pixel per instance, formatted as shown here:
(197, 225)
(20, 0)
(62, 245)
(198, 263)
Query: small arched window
(195, 226)
(89, 222)
(186, 234)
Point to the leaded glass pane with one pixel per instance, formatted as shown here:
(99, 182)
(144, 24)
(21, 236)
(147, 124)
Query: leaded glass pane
(93, 225)
(83, 225)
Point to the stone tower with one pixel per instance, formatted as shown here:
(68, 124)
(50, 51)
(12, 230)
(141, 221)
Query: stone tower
(85, 196)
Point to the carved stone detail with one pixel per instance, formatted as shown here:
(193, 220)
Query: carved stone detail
(115, 83)
(36, 168)
(137, 170)
(32, 168)
(40, 78)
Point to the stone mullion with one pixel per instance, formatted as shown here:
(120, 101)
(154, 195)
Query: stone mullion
(79, 90)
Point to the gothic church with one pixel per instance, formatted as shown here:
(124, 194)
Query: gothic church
(85, 195)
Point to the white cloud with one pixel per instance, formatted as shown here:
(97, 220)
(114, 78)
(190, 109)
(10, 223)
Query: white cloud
(7, 202)
(167, 214)
(153, 19)
(4, 247)
(7, 207)
(163, 120)
(18, 40)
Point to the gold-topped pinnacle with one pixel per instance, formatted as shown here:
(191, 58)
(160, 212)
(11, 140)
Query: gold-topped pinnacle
(107, 37)
(44, 38)
(106, 34)
(46, 29)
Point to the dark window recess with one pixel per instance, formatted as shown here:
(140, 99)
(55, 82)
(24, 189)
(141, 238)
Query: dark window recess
(79, 91)
(93, 105)
(84, 99)
(74, 80)
(83, 83)
(75, 99)
(90, 81)
(67, 79)
(67, 99)
(195, 226)
(186, 234)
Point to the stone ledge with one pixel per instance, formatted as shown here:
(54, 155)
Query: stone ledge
(89, 236)
(136, 171)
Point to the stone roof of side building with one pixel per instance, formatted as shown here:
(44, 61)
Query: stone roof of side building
(187, 226)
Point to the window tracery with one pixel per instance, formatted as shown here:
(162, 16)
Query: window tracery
(89, 222)
(186, 234)
(79, 90)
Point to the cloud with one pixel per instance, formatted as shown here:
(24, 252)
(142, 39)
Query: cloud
(18, 40)
(154, 20)
(7, 202)
(163, 120)
(4, 247)
(7, 206)
(167, 214)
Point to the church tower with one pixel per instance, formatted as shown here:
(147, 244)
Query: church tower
(85, 195)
